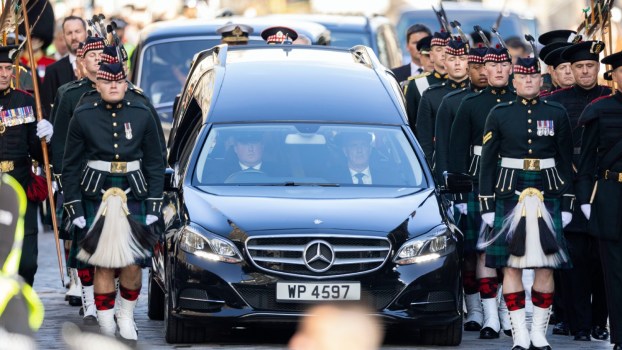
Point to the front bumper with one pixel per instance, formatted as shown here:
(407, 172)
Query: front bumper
(423, 295)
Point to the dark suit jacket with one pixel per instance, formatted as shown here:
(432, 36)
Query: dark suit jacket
(220, 171)
(381, 174)
(56, 74)
(402, 73)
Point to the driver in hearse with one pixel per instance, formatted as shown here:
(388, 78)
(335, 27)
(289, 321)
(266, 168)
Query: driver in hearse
(248, 148)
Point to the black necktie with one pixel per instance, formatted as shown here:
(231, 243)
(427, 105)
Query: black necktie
(419, 70)
(359, 178)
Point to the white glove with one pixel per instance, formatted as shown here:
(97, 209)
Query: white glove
(150, 219)
(45, 130)
(488, 218)
(587, 210)
(54, 186)
(462, 208)
(566, 218)
(79, 222)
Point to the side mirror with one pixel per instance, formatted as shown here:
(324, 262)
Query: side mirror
(457, 183)
(169, 177)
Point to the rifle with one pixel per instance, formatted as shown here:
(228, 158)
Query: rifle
(481, 33)
(496, 33)
(441, 19)
(456, 25)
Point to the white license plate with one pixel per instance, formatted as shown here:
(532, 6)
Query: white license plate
(306, 291)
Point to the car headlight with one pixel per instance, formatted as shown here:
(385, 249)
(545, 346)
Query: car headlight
(207, 245)
(428, 247)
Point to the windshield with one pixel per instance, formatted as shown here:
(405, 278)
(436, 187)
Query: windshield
(348, 39)
(308, 155)
(165, 65)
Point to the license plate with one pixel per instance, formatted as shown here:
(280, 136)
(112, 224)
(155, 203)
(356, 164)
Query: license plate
(306, 291)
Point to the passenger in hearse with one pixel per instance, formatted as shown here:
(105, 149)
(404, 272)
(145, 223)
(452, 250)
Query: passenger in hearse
(362, 168)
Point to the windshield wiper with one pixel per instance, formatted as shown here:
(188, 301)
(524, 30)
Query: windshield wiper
(292, 183)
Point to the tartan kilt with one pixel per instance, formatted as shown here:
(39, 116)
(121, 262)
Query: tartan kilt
(137, 210)
(497, 254)
(472, 224)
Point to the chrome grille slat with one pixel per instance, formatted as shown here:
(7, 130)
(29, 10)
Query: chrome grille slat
(350, 254)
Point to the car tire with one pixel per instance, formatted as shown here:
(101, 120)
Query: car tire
(155, 299)
(178, 330)
(448, 336)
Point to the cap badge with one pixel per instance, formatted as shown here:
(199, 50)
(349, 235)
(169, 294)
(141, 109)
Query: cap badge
(597, 47)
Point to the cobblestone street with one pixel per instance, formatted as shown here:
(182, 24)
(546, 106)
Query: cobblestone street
(151, 336)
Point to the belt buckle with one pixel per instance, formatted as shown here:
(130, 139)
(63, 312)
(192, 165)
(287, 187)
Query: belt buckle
(118, 167)
(531, 164)
(6, 166)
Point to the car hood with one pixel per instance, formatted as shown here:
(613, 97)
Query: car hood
(316, 209)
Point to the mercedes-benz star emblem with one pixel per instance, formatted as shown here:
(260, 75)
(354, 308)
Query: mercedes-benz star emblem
(318, 256)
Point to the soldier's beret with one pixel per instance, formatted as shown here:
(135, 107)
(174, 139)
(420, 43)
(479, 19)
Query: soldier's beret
(109, 55)
(8, 53)
(92, 43)
(456, 47)
(497, 54)
(554, 57)
(583, 51)
(423, 45)
(560, 35)
(440, 39)
(530, 65)
(615, 61)
(111, 72)
(278, 35)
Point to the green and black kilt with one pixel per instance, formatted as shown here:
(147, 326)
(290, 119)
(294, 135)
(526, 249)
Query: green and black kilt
(62, 219)
(497, 254)
(472, 224)
(137, 210)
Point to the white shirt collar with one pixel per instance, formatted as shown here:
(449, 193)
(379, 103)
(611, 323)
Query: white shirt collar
(414, 69)
(256, 167)
(366, 178)
(72, 60)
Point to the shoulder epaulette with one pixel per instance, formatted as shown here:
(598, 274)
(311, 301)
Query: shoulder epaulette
(84, 106)
(559, 90)
(472, 95)
(436, 86)
(135, 89)
(24, 92)
(421, 75)
(600, 98)
(554, 104)
(132, 104)
(502, 105)
(90, 92)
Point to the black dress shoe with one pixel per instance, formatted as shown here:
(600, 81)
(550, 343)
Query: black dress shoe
(547, 347)
(488, 333)
(518, 347)
(507, 332)
(561, 328)
(600, 333)
(75, 301)
(582, 335)
(472, 326)
(617, 346)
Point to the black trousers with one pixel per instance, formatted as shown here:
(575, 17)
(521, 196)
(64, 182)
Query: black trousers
(583, 285)
(559, 309)
(28, 263)
(611, 253)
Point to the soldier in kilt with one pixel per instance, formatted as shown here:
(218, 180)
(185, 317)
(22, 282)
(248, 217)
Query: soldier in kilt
(465, 144)
(113, 174)
(526, 196)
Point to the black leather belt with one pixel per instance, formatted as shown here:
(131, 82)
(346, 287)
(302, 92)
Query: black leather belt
(612, 176)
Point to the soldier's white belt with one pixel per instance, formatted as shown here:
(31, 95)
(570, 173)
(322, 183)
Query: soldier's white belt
(477, 150)
(114, 167)
(528, 163)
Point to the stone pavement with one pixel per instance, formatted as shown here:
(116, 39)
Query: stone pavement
(57, 312)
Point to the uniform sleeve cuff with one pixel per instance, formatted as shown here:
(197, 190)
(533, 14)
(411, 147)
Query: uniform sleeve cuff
(487, 204)
(154, 206)
(59, 182)
(568, 202)
(74, 209)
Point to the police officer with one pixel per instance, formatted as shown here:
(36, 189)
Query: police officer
(19, 145)
(418, 84)
(585, 301)
(465, 144)
(234, 34)
(526, 196)
(457, 66)
(81, 287)
(599, 187)
(112, 141)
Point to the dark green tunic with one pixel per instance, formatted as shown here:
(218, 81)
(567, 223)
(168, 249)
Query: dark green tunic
(413, 91)
(426, 115)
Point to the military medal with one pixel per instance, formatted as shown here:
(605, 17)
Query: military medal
(128, 131)
(552, 128)
(540, 128)
(546, 128)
